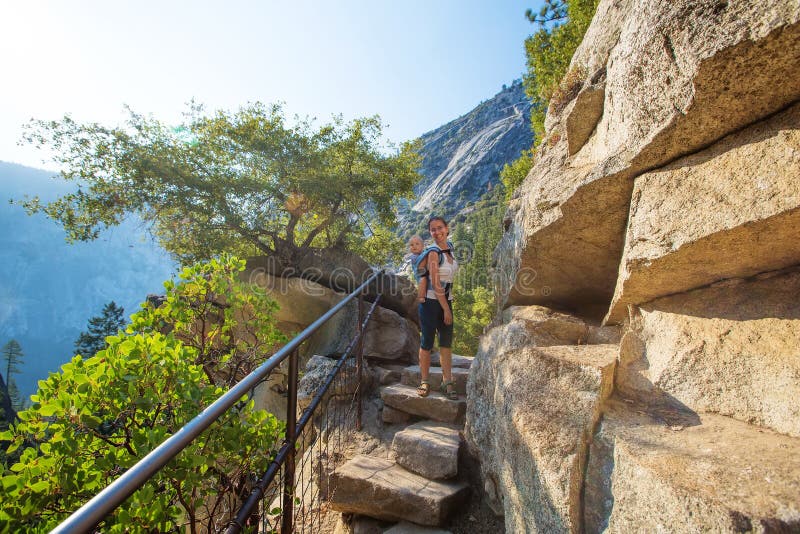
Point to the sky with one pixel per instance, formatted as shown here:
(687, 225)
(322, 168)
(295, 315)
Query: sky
(416, 63)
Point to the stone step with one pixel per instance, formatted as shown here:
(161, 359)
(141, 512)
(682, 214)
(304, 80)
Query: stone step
(411, 377)
(460, 362)
(707, 473)
(392, 415)
(435, 406)
(379, 488)
(405, 527)
(428, 448)
(386, 376)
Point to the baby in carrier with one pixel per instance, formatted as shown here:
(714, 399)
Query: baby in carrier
(418, 258)
(418, 266)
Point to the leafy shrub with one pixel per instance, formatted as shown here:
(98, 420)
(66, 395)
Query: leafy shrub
(97, 417)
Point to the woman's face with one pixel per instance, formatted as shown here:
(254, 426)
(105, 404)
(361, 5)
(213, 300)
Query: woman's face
(438, 230)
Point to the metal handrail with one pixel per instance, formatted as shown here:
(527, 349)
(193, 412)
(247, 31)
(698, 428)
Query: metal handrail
(105, 502)
(294, 430)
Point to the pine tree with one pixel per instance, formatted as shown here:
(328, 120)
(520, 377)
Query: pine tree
(17, 402)
(100, 327)
(10, 398)
(12, 354)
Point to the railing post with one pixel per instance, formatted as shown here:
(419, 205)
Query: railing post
(287, 517)
(359, 358)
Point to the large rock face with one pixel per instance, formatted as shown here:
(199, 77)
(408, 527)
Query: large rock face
(665, 201)
(529, 416)
(678, 77)
(646, 477)
(731, 350)
(676, 241)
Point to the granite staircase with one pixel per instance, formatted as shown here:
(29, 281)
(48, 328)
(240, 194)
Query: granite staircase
(417, 484)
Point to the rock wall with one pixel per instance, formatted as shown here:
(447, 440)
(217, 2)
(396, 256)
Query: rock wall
(645, 374)
(389, 337)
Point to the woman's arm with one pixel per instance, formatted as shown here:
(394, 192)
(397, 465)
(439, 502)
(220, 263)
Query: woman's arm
(433, 269)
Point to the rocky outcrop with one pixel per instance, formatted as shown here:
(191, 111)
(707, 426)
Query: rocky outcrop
(529, 416)
(388, 336)
(718, 475)
(679, 77)
(462, 159)
(645, 375)
(333, 268)
(734, 207)
(730, 350)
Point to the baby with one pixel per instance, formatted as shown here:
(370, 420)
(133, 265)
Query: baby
(415, 248)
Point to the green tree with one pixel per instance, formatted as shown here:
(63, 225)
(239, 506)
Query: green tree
(99, 328)
(98, 416)
(7, 412)
(562, 24)
(14, 395)
(12, 356)
(513, 174)
(475, 238)
(244, 182)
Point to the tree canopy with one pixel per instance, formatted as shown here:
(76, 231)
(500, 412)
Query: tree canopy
(562, 24)
(99, 416)
(243, 182)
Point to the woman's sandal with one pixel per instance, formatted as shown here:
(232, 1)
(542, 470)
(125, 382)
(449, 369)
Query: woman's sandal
(449, 390)
(424, 388)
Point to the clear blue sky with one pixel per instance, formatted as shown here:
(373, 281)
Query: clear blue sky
(416, 63)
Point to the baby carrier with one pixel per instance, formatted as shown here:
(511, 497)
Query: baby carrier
(424, 254)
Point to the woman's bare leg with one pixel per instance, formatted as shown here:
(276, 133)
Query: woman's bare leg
(424, 364)
(446, 361)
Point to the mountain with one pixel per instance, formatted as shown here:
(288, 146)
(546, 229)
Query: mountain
(49, 289)
(461, 160)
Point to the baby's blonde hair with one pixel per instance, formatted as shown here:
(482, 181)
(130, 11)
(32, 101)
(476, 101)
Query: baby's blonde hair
(415, 238)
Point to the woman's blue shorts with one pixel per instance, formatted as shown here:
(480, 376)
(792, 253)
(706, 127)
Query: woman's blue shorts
(431, 317)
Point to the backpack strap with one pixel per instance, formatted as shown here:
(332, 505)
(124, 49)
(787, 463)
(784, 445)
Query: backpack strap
(424, 254)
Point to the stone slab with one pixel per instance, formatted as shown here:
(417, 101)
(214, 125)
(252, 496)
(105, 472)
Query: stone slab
(530, 413)
(730, 349)
(730, 211)
(392, 416)
(411, 377)
(462, 362)
(435, 406)
(714, 475)
(410, 528)
(429, 449)
(379, 488)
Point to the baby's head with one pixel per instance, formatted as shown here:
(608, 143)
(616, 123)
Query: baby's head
(415, 244)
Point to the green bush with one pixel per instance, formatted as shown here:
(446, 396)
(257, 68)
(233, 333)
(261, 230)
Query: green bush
(99, 416)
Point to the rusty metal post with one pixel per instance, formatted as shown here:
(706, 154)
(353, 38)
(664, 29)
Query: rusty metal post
(287, 517)
(359, 359)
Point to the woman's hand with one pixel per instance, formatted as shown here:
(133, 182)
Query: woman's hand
(448, 316)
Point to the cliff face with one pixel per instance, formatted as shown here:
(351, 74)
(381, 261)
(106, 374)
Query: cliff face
(49, 289)
(461, 160)
(665, 206)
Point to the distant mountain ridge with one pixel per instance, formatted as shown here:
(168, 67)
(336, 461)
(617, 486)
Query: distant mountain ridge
(462, 159)
(49, 289)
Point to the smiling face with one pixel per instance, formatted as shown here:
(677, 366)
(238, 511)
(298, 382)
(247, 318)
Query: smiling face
(439, 230)
(415, 245)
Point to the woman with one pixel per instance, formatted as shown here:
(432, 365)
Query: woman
(436, 313)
